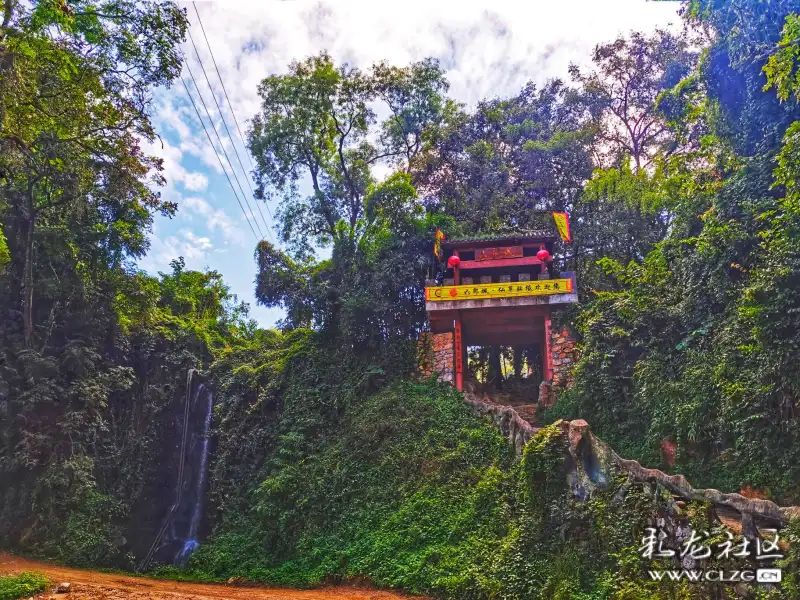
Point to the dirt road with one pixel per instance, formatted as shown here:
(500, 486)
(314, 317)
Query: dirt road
(90, 585)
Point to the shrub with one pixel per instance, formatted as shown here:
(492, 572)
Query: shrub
(22, 586)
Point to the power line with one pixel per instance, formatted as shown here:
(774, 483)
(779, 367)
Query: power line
(188, 93)
(228, 131)
(230, 106)
(222, 147)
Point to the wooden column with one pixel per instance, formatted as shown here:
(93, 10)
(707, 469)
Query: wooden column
(458, 348)
(459, 354)
(547, 358)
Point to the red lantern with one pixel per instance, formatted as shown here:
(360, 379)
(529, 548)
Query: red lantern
(453, 261)
(543, 255)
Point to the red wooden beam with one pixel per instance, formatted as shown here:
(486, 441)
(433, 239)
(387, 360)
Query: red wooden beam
(500, 262)
(459, 355)
(496, 338)
(499, 253)
(547, 366)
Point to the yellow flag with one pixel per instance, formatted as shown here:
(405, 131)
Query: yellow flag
(562, 224)
(437, 244)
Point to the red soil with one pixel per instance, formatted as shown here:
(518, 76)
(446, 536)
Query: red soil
(91, 585)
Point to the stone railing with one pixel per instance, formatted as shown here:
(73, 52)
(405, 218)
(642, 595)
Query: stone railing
(592, 463)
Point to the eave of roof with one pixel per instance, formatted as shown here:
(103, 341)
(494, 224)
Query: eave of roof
(531, 237)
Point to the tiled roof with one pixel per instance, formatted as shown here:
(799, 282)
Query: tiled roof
(518, 238)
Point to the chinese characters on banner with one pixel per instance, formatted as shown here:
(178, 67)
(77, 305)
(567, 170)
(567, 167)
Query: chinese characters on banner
(695, 548)
(497, 253)
(499, 290)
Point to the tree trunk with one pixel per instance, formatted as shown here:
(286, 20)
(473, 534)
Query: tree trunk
(495, 369)
(518, 361)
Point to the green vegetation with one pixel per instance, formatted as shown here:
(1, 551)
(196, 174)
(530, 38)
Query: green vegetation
(409, 489)
(24, 585)
(695, 343)
(678, 163)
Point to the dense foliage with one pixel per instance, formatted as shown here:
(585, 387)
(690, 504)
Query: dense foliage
(697, 344)
(677, 158)
(411, 490)
(92, 353)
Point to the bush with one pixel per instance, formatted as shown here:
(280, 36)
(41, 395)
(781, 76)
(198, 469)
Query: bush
(22, 586)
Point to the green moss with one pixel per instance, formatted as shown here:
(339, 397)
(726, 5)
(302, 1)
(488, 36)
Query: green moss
(401, 484)
(542, 477)
(5, 257)
(409, 489)
(412, 491)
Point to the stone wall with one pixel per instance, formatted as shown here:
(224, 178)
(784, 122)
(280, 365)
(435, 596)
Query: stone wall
(564, 352)
(436, 355)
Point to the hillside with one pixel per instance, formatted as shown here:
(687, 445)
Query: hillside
(148, 424)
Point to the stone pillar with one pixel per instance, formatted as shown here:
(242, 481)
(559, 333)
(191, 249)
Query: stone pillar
(546, 395)
(436, 356)
(564, 354)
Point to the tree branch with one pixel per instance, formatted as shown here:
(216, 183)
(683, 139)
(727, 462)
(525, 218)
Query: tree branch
(8, 10)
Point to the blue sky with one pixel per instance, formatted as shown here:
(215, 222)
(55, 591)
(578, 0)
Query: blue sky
(488, 49)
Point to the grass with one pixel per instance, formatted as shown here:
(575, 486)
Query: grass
(24, 585)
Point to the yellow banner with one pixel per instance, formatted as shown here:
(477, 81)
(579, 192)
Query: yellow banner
(437, 243)
(515, 289)
(562, 224)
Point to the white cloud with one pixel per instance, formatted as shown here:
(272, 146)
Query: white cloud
(195, 182)
(216, 219)
(193, 245)
(165, 248)
(171, 157)
(488, 49)
(197, 205)
(168, 116)
(231, 231)
(174, 171)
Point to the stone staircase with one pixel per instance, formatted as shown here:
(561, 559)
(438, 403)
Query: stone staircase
(593, 464)
(526, 411)
(522, 406)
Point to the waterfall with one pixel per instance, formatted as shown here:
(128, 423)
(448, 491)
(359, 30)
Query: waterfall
(191, 544)
(180, 530)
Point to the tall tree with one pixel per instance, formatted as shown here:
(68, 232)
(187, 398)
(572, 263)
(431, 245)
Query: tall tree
(318, 122)
(319, 128)
(622, 92)
(81, 375)
(499, 168)
(74, 83)
(694, 344)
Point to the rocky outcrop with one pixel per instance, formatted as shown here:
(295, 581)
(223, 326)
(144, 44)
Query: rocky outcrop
(592, 464)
